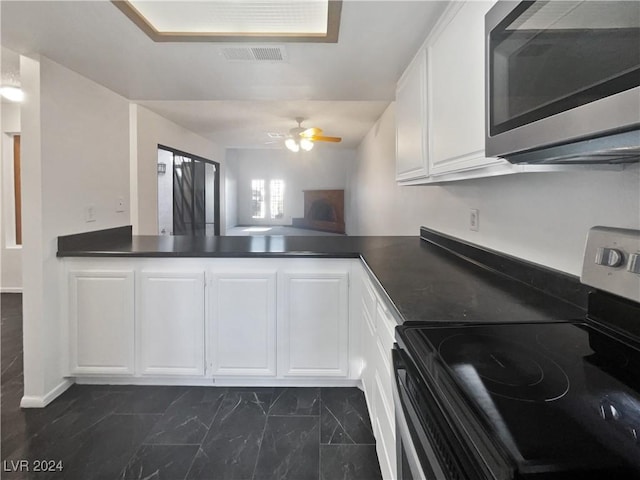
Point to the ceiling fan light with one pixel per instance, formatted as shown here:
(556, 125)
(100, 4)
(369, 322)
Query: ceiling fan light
(306, 144)
(292, 145)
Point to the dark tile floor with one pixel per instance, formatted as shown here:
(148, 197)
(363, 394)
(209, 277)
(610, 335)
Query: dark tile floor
(176, 433)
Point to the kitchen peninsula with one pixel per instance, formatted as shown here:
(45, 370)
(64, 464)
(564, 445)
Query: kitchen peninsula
(426, 277)
(287, 311)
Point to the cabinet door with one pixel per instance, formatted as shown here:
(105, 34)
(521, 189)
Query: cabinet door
(101, 313)
(456, 93)
(411, 121)
(171, 323)
(313, 324)
(243, 316)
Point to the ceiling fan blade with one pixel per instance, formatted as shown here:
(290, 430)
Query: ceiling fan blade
(311, 132)
(320, 138)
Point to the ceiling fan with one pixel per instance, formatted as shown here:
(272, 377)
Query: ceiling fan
(304, 138)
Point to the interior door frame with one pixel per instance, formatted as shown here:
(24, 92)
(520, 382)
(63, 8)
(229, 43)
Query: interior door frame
(216, 182)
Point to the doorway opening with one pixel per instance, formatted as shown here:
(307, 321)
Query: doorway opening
(188, 194)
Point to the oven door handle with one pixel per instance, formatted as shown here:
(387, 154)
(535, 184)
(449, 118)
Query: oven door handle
(403, 433)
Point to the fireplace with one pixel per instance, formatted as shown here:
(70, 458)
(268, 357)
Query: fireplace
(323, 210)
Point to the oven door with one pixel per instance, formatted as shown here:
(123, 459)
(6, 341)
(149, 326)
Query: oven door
(416, 458)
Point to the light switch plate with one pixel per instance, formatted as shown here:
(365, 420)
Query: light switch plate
(474, 219)
(90, 213)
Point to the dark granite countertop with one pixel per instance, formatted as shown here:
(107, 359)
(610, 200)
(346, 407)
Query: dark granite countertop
(434, 278)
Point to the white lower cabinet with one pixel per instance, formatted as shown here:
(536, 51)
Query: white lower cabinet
(384, 429)
(170, 316)
(272, 321)
(101, 318)
(242, 311)
(313, 316)
(280, 319)
(377, 327)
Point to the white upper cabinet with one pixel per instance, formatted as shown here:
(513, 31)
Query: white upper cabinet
(456, 93)
(411, 121)
(440, 103)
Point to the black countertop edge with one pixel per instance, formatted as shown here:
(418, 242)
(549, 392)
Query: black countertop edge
(552, 282)
(80, 242)
(178, 254)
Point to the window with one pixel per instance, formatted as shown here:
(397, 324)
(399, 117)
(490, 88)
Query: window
(275, 196)
(276, 193)
(258, 206)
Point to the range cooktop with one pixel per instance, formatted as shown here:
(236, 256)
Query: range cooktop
(556, 396)
(547, 400)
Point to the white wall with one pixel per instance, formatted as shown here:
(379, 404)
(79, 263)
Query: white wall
(231, 188)
(75, 152)
(165, 194)
(543, 218)
(152, 130)
(10, 253)
(325, 167)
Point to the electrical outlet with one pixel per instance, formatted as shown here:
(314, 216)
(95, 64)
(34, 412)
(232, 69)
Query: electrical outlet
(120, 205)
(90, 213)
(474, 219)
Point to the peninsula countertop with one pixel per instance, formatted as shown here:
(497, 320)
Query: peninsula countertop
(431, 277)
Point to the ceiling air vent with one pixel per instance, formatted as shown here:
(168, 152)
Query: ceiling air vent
(257, 53)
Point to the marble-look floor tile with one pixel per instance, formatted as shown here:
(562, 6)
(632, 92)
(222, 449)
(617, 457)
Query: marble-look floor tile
(150, 399)
(295, 401)
(290, 449)
(344, 418)
(230, 449)
(20, 427)
(188, 418)
(107, 447)
(65, 432)
(349, 462)
(160, 462)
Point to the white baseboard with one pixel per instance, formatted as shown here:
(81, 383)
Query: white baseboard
(221, 381)
(11, 290)
(32, 401)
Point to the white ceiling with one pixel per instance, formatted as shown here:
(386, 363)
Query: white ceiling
(342, 88)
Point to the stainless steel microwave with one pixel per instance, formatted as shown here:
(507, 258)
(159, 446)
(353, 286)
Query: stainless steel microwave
(563, 81)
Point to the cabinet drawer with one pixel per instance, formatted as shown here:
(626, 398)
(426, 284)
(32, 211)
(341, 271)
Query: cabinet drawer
(368, 297)
(383, 372)
(385, 326)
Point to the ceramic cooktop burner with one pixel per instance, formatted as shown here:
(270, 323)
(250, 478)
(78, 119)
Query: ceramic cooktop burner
(506, 368)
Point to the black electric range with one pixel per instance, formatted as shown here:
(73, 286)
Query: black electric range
(527, 400)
